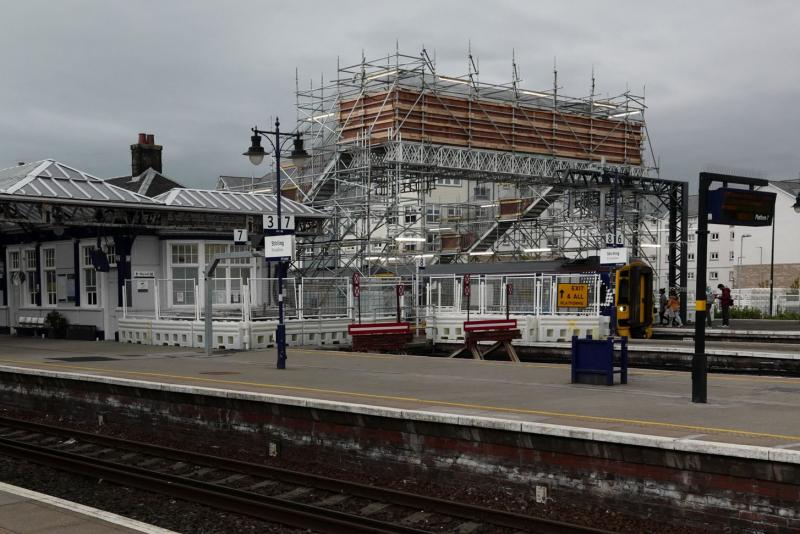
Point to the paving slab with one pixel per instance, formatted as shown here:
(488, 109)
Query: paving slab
(24, 511)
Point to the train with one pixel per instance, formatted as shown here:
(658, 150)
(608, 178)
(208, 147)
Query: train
(633, 300)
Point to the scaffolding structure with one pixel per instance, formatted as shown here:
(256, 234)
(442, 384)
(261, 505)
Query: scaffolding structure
(546, 175)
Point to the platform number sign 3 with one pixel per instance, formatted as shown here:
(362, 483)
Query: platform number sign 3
(271, 222)
(240, 236)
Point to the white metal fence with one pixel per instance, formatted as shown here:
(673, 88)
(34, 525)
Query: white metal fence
(307, 298)
(783, 299)
(529, 294)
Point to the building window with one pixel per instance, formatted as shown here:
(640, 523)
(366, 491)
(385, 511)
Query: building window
(410, 213)
(730, 276)
(432, 213)
(31, 289)
(730, 255)
(690, 275)
(454, 213)
(434, 242)
(449, 182)
(480, 193)
(391, 215)
(690, 256)
(89, 280)
(714, 236)
(692, 237)
(713, 275)
(714, 256)
(50, 275)
(733, 236)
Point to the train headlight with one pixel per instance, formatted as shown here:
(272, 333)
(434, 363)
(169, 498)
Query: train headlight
(621, 308)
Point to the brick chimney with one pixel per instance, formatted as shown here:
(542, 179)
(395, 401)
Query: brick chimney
(145, 154)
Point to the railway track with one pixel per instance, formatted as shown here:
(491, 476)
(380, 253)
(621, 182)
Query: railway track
(273, 494)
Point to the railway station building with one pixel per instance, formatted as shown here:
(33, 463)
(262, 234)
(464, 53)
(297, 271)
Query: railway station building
(92, 249)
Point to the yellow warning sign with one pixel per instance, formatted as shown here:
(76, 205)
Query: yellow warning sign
(573, 295)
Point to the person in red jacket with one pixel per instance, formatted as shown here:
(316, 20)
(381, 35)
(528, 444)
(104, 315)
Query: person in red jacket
(725, 303)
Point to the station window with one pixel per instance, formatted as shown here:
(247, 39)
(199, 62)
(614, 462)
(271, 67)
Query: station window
(690, 256)
(715, 256)
(13, 260)
(111, 253)
(713, 275)
(184, 253)
(730, 276)
(30, 277)
(714, 236)
(690, 275)
(692, 237)
(449, 182)
(230, 275)
(410, 214)
(434, 242)
(49, 256)
(730, 255)
(89, 279)
(733, 236)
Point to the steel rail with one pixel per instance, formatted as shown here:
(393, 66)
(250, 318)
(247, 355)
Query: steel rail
(431, 504)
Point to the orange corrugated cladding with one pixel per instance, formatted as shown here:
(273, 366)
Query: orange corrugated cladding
(490, 125)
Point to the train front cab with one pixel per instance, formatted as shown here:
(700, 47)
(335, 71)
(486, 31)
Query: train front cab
(633, 299)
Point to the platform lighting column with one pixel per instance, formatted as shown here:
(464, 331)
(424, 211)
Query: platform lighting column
(299, 156)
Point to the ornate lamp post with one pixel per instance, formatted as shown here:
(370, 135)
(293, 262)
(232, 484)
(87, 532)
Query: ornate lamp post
(299, 156)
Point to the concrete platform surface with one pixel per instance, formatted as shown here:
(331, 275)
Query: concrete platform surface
(745, 410)
(748, 325)
(24, 511)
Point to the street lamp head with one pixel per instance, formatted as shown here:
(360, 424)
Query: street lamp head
(796, 205)
(299, 155)
(256, 151)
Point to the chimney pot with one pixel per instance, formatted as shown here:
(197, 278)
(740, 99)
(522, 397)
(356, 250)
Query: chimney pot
(145, 154)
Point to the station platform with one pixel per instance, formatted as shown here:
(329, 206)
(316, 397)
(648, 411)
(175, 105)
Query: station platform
(24, 511)
(751, 411)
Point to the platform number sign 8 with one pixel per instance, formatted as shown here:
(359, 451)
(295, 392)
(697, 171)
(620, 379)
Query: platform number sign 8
(271, 222)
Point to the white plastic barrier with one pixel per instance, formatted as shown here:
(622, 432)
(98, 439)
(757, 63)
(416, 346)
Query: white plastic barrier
(449, 328)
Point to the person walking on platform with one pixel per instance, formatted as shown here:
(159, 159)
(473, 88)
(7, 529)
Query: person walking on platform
(710, 306)
(725, 303)
(662, 306)
(674, 310)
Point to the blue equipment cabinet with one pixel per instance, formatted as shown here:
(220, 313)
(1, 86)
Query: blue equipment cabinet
(593, 361)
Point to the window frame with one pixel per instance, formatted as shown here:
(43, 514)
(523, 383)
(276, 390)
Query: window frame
(49, 278)
(88, 271)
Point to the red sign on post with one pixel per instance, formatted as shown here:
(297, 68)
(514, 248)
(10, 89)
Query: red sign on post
(465, 285)
(401, 290)
(356, 285)
(509, 289)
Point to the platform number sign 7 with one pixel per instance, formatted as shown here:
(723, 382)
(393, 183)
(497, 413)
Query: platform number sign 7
(240, 236)
(271, 222)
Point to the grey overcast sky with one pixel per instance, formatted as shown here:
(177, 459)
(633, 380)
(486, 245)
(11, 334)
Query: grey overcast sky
(79, 79)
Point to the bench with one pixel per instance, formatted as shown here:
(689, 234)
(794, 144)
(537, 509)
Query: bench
(368, 337)
(34, 325)
(500, 331)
